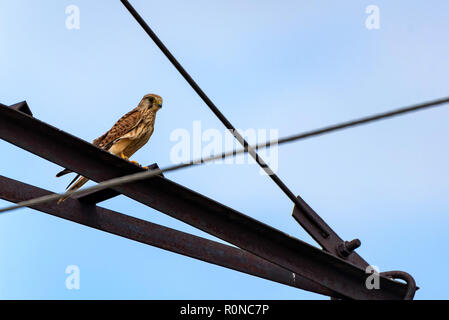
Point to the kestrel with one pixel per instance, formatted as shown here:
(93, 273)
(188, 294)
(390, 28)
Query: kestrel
(130, 133)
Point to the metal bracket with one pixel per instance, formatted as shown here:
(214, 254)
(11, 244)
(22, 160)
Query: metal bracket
(411, 284)
(22, 107)
(332, 243)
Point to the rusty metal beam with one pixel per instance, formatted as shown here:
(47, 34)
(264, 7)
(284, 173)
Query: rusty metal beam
(190, 207)
(94, 197)
(22, 107)
(156, 235)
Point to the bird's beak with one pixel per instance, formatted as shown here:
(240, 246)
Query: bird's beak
(159, 105)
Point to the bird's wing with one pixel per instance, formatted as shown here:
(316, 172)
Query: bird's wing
(97, 141)
(123, 126)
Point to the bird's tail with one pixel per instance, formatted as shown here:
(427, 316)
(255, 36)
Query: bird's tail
(78, 184)
(63, 172)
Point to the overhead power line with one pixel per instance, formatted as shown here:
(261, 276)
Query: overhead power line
(364, 120)
(297, 200)
(148, 174)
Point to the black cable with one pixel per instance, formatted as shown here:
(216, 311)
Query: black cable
(300, 203)
(357, 122)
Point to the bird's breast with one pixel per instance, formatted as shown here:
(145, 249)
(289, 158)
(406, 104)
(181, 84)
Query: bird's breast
(143, 134)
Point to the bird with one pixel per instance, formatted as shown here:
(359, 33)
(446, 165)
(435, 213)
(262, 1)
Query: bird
(130, 133)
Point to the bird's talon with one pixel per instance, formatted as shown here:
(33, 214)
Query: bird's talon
(123, 156)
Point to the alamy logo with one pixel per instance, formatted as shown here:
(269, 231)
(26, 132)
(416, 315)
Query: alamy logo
(372, 22)
(72, 282)
(72, 22)
(372, 281)
(199, 144)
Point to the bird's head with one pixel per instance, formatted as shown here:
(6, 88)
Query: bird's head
(151, 102)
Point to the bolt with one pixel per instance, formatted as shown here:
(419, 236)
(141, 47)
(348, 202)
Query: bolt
(353, 244)
(346, 248)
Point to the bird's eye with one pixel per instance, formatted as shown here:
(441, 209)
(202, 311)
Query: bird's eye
(151, 99)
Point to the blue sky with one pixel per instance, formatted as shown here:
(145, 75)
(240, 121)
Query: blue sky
(291, 66)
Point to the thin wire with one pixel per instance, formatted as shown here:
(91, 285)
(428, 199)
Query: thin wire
(343, 125)
(357, 122)
(148, 174)
(300, 203)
